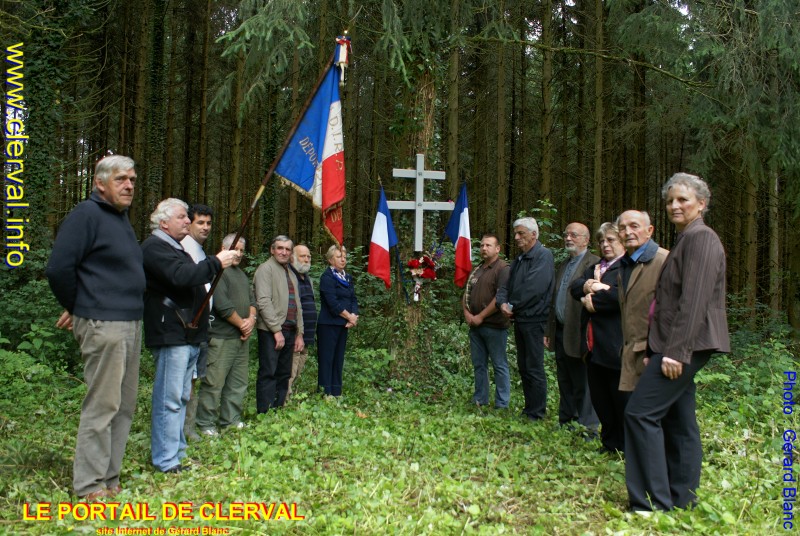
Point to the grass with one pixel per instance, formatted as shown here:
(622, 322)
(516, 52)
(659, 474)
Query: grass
(387, 458)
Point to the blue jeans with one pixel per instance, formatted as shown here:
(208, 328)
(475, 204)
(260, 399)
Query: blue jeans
(485, 341)
(171, 390)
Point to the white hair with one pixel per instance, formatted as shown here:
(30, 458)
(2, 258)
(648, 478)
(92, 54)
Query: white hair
(165, 210)
(528, 223)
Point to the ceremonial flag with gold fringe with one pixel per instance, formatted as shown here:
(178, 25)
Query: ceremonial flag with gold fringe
(314, 159)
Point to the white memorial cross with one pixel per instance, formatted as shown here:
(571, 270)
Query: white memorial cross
(419, 205)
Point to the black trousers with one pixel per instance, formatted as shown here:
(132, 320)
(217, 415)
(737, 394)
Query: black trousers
(663, 454)
(574, 402)
(529, 337)
(332, 342)
(609, 404)
(274, 370)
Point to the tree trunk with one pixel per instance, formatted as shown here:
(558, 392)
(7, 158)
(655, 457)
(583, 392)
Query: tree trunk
(235, 184)
(295, 94)
(501, 216)
(202, 150)
(751, 242)
(775, 265)
(188, 180)
(640, 137)
(453, 77)
(547, 99)
(425, 103)
(599, 110)
(155, 109)
(168, 189)
(140, 116)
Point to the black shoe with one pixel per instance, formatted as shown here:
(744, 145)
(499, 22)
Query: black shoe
(178, 469)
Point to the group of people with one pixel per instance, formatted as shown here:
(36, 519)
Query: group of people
(111, 286)
(629, 330)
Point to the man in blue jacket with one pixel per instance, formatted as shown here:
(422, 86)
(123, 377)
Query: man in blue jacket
(525, 299)
(95, 271)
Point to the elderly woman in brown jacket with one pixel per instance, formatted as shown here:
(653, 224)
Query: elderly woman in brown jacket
(689, 323)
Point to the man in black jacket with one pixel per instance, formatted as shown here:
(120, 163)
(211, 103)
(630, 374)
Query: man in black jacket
(95, 271)
(175, 293)
(525, 299)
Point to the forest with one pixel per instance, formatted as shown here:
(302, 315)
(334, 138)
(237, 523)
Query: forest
(588, 105)
(567, 110)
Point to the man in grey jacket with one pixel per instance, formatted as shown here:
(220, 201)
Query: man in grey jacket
(280, 324)
(525, 299)
(564, 333)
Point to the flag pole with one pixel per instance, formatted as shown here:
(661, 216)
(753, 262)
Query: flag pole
(263, 186)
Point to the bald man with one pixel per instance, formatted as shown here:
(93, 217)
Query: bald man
(564, 334)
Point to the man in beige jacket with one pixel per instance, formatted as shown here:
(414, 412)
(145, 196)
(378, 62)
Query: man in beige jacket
(280, 324)
(639, 273)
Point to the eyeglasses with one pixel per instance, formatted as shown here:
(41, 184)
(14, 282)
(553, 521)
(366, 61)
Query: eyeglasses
(607, 240)
(571, 234)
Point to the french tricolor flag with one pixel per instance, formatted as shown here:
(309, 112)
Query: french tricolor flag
(314, 159)
(383, 238)
(457, 230)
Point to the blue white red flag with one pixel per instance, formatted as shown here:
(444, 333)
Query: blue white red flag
(314, 159)
(383, 238)
(457, 231)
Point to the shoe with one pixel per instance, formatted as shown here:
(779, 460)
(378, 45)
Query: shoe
(210, 432)
(590, 435)
(239, 425)
(191, 434)
(94, 496)
(113, 491)
(178, 469)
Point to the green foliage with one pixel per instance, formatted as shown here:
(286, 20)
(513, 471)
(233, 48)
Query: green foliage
(28, 313)
(38, 397)
(752, 325)
(267, 38)
(49, 345)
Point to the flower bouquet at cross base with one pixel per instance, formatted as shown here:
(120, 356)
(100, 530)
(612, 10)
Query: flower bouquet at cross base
(422, 267)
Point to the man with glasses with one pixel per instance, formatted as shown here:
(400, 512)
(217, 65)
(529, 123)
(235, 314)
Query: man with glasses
(564, 333)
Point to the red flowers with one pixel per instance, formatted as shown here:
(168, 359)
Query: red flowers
(423, 267)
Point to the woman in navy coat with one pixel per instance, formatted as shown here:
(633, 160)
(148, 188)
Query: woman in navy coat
(602, 329)
(338, 313)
